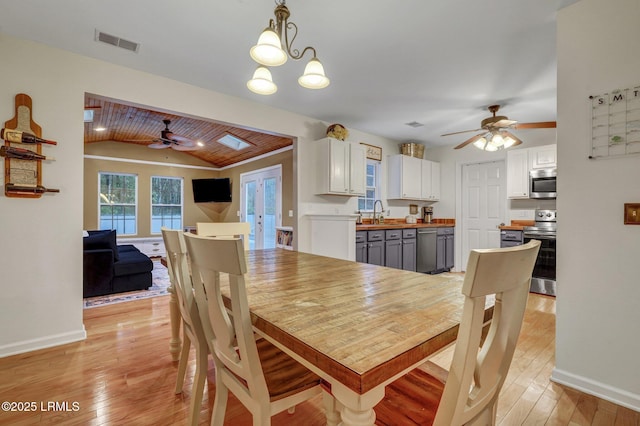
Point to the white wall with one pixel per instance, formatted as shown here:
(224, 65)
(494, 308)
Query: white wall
(598, 314)
(41, 251)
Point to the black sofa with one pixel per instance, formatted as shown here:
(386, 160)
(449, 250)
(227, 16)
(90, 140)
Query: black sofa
(109, 268)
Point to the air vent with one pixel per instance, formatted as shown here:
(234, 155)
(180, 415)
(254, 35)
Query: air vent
(117, 41)
(414, 124)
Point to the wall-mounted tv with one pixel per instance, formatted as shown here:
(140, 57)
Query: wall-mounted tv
(211, 190)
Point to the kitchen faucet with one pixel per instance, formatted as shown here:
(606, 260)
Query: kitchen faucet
(374, 211)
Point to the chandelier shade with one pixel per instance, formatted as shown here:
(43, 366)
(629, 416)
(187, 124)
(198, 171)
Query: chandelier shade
(313, 77)
(268, 51)
(262, 83)
(274, 46)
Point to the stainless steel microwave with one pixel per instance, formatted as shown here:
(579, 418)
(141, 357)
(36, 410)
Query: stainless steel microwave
(542, 183)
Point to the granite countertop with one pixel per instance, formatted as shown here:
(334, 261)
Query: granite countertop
(518, 225)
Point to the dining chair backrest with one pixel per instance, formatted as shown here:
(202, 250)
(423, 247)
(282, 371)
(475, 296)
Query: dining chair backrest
(177, 267)
(225, 230)
(192, 326)
(476, 377)
(233, 341)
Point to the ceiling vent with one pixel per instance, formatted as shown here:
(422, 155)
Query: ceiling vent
(117, 41)
(414, 124)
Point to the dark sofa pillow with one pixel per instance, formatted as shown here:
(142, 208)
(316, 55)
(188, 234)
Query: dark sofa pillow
(102, 240)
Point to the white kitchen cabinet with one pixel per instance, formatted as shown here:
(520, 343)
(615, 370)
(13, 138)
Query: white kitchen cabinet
(411, 178)
(518, 173)
(542, 157)
(430, 180)
(521, 161)
(341, 167)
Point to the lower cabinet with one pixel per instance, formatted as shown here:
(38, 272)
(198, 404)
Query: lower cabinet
(397, 248)
(370, 247)
(393, 248)
(444, 249)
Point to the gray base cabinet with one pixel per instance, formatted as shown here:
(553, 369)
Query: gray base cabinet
(361, 246)
(398, 248)
(409, 254)
(444, 250)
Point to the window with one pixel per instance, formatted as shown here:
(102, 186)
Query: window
(373, 186)
(166, 203)
(117, 202)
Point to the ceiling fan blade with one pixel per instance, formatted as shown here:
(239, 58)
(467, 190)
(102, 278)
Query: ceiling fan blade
(539, 125)
(464, 131)
(470, 140)
(183, 141)
(504, 123)
(183, 147)
(158, 145)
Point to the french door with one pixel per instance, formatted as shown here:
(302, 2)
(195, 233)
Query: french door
(261, 205)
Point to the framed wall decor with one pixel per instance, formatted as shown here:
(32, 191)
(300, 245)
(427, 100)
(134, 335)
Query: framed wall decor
(632, 213)
(373, 152)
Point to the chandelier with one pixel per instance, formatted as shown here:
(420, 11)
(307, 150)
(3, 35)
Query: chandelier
(274, 47)
(495, 140)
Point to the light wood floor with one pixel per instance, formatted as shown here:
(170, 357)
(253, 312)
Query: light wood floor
(123, 375)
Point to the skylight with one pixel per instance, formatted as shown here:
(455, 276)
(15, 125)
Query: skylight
(233, 142)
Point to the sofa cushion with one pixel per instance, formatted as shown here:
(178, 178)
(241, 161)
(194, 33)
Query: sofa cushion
(132, 262)
(124, 248)
(102, 240)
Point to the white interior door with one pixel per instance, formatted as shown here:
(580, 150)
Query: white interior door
(261, 205)
(484, 204)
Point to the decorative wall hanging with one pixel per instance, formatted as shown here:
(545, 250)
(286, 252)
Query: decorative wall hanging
(22, 152)
(615, 123)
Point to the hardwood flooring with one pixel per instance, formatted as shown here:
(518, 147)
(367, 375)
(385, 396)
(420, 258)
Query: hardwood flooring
(123, 375)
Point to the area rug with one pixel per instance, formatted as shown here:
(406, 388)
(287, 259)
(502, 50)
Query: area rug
(159, 286)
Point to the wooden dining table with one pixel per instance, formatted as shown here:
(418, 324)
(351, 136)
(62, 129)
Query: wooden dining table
(358, 326)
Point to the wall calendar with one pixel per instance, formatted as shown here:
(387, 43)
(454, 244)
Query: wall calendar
(615, 123)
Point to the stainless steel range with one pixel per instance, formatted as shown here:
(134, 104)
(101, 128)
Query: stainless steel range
(544, 272)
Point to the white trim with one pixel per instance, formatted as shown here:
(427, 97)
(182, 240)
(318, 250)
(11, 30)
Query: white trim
(42, 343)
(598, 389)
(189, 166)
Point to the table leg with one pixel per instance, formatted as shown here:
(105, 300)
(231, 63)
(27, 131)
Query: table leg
(355, 409)
(175, 343)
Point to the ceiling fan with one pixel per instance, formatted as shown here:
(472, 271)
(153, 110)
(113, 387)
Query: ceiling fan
(168, 140)
(494, 135)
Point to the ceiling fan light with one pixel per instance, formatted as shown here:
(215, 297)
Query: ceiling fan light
(497, 140)
(314, 77)
(491, 147)
(480, 143)
(508, 142)
(262, 83)
(268, 51)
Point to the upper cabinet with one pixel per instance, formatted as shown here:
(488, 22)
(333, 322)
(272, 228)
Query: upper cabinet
(341, 167)
(521, 161)
(542, 157)
(518, 173)
(411, 178)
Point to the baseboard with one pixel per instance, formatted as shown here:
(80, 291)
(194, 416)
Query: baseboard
(601, 390)
(42, 343)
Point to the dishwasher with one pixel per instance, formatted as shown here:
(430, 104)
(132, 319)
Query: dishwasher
(427, 250)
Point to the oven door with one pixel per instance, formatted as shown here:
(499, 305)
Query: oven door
(544, 272)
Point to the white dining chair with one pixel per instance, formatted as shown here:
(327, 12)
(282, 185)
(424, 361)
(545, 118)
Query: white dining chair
(479, 367)
(265, 380)
(192, 328)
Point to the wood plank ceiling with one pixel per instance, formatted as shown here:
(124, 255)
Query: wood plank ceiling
(131, 124)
